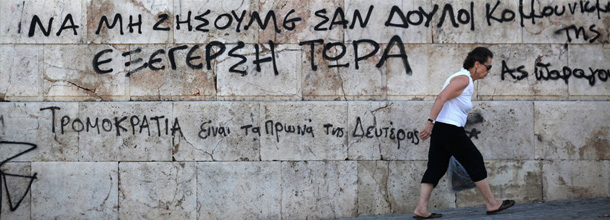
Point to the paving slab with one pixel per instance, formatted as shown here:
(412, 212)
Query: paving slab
(598, 208)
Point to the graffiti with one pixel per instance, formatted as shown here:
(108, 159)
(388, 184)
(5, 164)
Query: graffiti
(115, 125)
(398, 134)
(538, 11)
(578, 31)
(340, 20)
(153, 61)
(463, 16)
(100, 60)
(279, 127)
(251, 128)
(213, 131)
(544, 72)
(245, 20)
(333, 130)
(511, 72)
(325, 19)
(46, 31)
(475, 117)
(474, 133)
(3, 175)
(395, 41)
(161, 125)
(202, 22)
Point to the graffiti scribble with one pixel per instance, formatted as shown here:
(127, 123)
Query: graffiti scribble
(3, 175)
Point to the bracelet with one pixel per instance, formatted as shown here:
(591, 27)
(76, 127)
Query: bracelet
(430, 120)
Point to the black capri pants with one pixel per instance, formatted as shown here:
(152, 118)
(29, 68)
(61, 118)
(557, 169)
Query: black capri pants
(449, 140)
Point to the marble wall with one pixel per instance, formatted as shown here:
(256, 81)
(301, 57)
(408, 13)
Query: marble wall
(182, 109)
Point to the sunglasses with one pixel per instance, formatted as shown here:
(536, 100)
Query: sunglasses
(487, 66)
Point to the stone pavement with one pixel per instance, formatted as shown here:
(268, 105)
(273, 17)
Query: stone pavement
(598, 209)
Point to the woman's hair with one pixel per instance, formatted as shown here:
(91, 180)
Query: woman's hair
(480, 54)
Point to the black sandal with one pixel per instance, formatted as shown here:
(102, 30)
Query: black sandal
(433, 215)
(505, 204)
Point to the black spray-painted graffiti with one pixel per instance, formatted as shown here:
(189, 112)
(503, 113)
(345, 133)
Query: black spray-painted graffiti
(275, 128)
(245, 20)
(473, 118)
(151, 125)
(160, 125)
(391, 132)
(474, 133)
(549, 11)
(3, 175)
(163, 126)
(215, 49)
(240, 21)
(545, 72)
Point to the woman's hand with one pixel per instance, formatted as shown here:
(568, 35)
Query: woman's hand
(427, 131)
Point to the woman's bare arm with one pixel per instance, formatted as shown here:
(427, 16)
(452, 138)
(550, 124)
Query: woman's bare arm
(454, 89)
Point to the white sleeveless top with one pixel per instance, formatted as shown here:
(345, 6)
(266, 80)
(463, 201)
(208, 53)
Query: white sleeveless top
(455, 111)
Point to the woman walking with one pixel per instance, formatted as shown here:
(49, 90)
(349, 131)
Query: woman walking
(448, 138)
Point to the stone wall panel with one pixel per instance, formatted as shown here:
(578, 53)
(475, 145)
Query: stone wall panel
(502, 130)
(559, 21)
(9, 10)
(123, 142)
(376, 28)
(521, 72)
(296, 131)
(466, 22)
(26, 122)
(146, 13)
(19, 124)
(214, 132)
(58, 145)
(556, 137)
(17, 187)
(264, 84)
(368, 82)
(69, 75)
(43, 22)
(592, 60)
(520, 180)
(319, 189)
(217, 14)
(431, 65)
(606, 166)
(157, 190)
(387, 130)
(58, 191)
(373, 195)
(574, 179)
(304, 29)
(404, 184)
(21, 72)
(320, 80)
(239, 190)
(171, 78)
(331, 73)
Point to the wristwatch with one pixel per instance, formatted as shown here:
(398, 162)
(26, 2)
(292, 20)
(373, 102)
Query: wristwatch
(430, 120)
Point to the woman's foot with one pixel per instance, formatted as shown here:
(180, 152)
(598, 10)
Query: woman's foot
(432, 215)
(494, 205)
(421, 212)
(503, 205)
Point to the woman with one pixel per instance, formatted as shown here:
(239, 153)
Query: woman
(446, 127)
